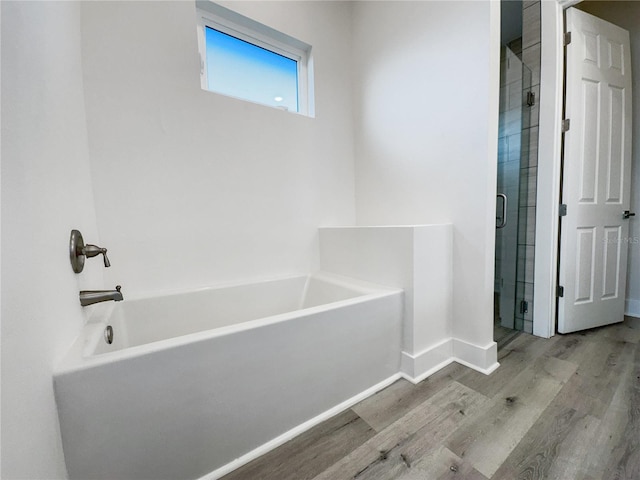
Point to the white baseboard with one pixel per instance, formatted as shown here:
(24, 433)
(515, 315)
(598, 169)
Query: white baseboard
(632, 308)
(294, 432)
(416, 368)
(483, 359)
(428, 373)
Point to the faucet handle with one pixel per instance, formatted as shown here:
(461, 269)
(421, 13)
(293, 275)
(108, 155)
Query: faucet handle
(78, 251)
(93, 250)
(107, 263)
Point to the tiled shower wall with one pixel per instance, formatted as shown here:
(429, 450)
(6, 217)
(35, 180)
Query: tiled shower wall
(529, 166)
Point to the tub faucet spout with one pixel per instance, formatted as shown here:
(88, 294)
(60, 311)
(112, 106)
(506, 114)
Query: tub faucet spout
(89, 297)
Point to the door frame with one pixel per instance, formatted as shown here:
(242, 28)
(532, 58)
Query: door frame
(549, 148)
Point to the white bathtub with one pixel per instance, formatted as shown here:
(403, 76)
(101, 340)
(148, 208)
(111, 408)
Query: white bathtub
(196, 384)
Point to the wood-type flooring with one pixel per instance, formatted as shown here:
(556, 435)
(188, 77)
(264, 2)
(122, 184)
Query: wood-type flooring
(565, 408)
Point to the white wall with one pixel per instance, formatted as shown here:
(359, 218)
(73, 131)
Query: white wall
(426, 134)
(195, 188)
(46, 191)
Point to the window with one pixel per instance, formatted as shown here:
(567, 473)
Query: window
(244, 59)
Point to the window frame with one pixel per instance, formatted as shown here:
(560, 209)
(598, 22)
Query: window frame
(243, 28)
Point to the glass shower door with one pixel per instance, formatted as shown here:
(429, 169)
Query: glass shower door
(513, 153)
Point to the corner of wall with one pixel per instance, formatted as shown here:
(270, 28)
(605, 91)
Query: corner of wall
(632, 308)
(416, 368)
(45, 193)
(416, 258)
(484, 359)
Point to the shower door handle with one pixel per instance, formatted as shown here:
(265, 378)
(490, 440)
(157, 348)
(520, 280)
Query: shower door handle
(502, 219)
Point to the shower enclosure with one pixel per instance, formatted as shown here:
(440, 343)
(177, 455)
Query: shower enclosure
(514, 223)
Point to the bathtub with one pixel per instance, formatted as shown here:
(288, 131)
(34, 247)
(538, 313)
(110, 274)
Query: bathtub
(196, 384)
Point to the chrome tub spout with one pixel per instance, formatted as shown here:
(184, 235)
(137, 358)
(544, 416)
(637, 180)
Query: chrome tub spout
(89, 297)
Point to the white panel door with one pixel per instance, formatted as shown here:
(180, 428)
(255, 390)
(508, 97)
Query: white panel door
(596, 177)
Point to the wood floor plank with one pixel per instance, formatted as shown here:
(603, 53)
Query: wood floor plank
(443, 464)
(623, 331)
(632, 322)
(348, 467)
(422, 429)
(513, 411)
(534, 346)
(554, 448)
(513, 360)
(395, 401)
(623, 427)
(572, 457)
(436, 417)
(595, 381)
(310, 453)
(572, 348)
(438, 463)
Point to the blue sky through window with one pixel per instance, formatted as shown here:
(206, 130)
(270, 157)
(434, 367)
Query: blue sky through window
(241, 69)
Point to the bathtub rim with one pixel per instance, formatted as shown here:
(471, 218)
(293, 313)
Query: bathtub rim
(75, 358)
(342, 280)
